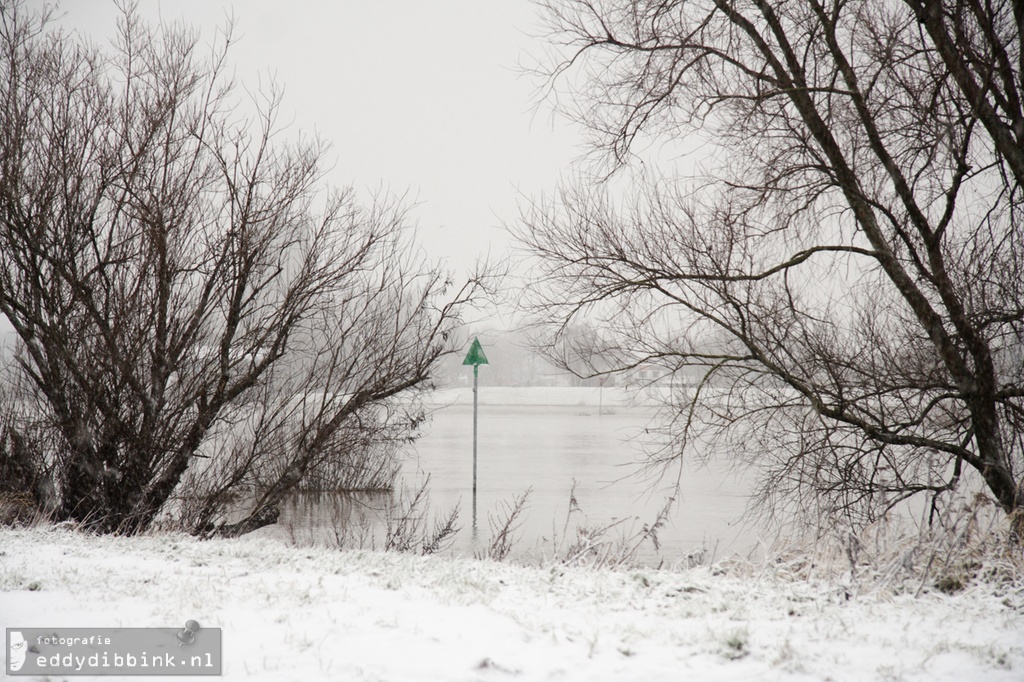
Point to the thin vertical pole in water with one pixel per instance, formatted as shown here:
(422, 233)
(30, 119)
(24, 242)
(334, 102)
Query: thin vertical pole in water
(476, 371)
(475, 357)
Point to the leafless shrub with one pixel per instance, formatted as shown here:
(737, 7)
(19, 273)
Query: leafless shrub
(18, 509)
(404, 520)
(24, 474)
(352, 533)
(965, 541)
(504, 526)
(203, 324)
(405, 523)
(613, 544)
(443, 534)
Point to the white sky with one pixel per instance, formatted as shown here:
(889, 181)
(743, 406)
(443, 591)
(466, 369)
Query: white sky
(423, 97)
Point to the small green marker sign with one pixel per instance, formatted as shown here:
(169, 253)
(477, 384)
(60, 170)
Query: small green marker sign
(475, 356)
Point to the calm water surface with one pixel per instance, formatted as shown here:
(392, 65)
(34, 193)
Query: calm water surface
(549, 450)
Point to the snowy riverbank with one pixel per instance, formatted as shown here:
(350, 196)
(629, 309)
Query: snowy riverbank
(311, 614)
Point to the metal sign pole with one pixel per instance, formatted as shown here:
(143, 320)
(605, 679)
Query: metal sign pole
(476, 371)
(475, 357)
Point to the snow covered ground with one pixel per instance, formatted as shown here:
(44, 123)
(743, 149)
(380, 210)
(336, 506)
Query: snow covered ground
(317, 614)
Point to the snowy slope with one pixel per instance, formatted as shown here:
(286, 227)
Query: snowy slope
(312, 614)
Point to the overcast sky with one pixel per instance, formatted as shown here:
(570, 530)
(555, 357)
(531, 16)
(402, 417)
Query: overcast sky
(423, 97)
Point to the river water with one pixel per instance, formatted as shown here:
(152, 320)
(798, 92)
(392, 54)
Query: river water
(580, 459)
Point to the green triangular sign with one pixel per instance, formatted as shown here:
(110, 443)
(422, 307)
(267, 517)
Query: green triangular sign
(475, 356)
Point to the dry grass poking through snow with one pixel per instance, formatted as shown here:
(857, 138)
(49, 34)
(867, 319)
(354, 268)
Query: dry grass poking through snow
(969, 547)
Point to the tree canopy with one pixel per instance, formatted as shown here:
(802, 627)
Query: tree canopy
(845, 263)
(200, 316)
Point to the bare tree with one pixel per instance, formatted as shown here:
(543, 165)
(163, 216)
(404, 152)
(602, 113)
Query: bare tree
(189, 297)
(846, 266)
